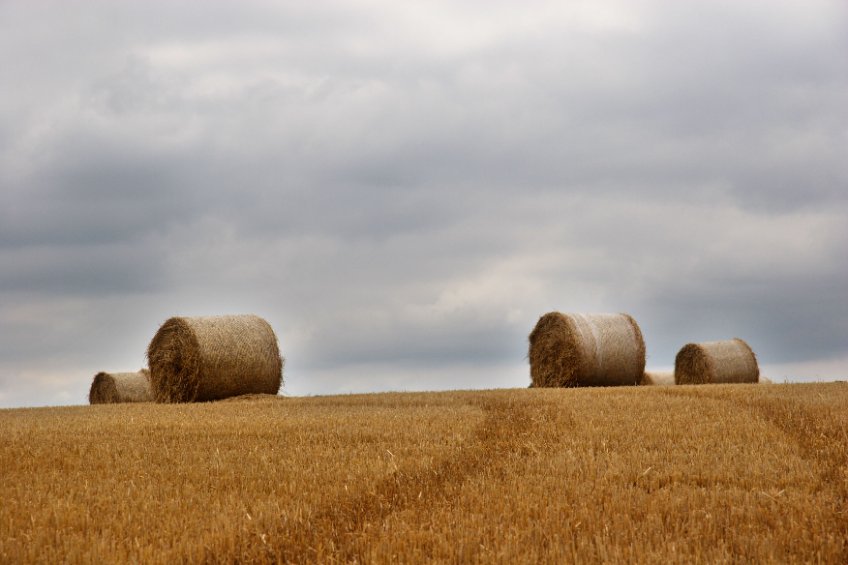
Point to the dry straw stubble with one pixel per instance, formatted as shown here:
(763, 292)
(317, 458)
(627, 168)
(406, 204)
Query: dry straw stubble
(727, 361)
(586, 350)
(110, 388)
(214, 357)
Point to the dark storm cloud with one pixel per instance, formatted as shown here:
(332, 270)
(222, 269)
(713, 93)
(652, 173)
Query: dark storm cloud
(404, 190)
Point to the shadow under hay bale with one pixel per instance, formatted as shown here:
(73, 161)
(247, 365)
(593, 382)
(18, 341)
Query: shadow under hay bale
(215, 357)
(111, 388)
(729, 361)
(569, 350)
(657, 378)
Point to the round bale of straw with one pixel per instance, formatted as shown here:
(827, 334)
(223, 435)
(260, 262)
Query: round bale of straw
(110, 388)
(215, 357)
(728, 361)
(657, 378)
(569, 350)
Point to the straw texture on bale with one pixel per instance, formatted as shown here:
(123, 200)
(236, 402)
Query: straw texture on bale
(109, 388)
(657, 378)
(210, 358)
(729, 361)
(569, 350)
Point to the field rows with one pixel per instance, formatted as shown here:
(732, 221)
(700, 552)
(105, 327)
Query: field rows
(643, 474)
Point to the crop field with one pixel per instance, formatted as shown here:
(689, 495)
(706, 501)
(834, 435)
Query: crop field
(683, 474)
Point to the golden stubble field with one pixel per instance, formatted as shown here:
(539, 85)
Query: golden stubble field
(710, 474)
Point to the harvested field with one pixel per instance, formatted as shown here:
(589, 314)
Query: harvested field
(727, 473)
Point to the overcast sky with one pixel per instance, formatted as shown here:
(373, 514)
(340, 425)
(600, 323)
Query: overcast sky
(402, 188)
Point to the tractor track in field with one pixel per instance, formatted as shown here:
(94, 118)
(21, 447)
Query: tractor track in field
(509, 430)
(825, 445)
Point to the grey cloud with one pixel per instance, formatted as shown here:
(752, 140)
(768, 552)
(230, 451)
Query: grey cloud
(81, 269)
(408, 193)
(404, 343)
(790, 319)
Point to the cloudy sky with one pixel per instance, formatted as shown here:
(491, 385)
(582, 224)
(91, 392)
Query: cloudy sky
(402, 188)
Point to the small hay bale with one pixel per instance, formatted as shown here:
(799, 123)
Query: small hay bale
(729, 361)
(254, 398)
(765, 380)
(657, 378)
(569, 350)
(110, 388)
(215, 357)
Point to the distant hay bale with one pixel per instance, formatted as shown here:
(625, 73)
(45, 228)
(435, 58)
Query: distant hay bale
(657, 378)
(210, 358)
(730, 361)
(254, 398)
(110, 388)
(765, 380)
(569, 350)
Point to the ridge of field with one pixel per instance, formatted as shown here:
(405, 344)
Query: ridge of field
(686, 474)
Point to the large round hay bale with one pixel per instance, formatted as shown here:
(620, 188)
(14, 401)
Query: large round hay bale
(210, 358)
(657, 378)
(586, 350)
(109, 388)
(729, 361)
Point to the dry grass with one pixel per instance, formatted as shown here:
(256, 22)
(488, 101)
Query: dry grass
(740, 473)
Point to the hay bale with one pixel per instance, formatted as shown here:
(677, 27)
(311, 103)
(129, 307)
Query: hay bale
(729, 361)
(765, 380)
(210, 358)
(254, 398)
(657, 378)
(586, 350)
(109, 388)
